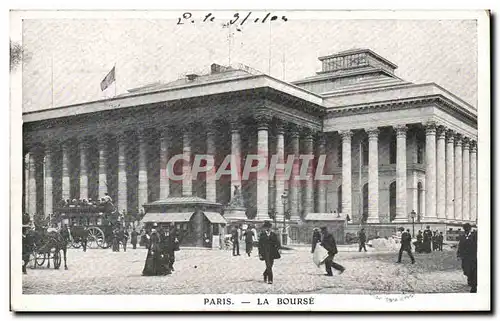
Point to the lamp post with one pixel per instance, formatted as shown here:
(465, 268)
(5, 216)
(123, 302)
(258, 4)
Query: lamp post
(413, 214)
(284, 200)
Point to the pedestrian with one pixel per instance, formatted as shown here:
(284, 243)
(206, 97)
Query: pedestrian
(316, 238)
(133, 238)
(124, 238)
(236, 241)
(427, 239)
(174, 245)
(269, 247)
(116, 241)
(155, 259)
(467, 252)
(405, 245)
(419, 244)
(440, 241)
(328, 242)
(362, 240)
(84, 238)
(435, 241)
(249, 241)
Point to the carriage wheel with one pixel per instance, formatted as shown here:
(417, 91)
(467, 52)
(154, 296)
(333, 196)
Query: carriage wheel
(103, 243)
(57, 259)
(94, 236)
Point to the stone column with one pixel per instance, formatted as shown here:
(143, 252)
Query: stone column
(430, 172)
(84, 179)
(262, 175)
(103, 159)
(308, 190)
(280, 173)
(235, 155)
(458, 178)
(211, 182)
(187, 182)
(32, 184)
(441, 174)
(346, 173)
(122, 172)
(48, 197)
(321, 184)
(401, 192)
(164, 175)
(450, 175)
(293, 199)
(66, 183)
(473, 181)
(142, 189)
(465, 181)
(373, 187)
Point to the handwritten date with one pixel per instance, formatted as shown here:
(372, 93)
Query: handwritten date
(239, 19)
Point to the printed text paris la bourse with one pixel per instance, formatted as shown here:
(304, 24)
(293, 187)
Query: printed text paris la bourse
(261, 301)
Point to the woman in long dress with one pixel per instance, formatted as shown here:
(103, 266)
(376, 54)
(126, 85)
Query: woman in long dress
(156, 260)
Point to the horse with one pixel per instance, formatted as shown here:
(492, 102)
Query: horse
(44, 242)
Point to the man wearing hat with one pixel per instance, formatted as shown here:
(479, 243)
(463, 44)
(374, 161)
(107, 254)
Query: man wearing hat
(405, 245)
(269, 247)
(467, 251)
(427, 240)
(328, 242)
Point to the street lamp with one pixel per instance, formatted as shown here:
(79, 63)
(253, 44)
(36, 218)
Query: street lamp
(284, 201)
(413, 215)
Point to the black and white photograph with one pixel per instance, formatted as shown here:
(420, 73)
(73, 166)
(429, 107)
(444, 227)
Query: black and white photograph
(250, 160)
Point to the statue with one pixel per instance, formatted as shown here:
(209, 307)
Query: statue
(237, 199)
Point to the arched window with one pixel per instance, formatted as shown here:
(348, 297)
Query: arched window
(365, 202)
(392, 201)
(339, 199)
(420, 197)
(392, 150)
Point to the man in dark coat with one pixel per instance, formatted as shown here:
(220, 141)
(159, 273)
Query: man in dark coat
(236, 241)
(362, 240)
(133, 238)
(405, 245)
(427, 240)
(249, 240)
(440, 241)
(124, 238)
(316, 238)
(328, 242)
(269, 247)
(419, 243)
(467, 251)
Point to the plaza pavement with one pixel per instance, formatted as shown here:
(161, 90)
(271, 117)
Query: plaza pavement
(217, 271)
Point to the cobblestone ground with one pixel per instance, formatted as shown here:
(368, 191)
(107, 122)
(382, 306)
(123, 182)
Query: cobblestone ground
(215, 271)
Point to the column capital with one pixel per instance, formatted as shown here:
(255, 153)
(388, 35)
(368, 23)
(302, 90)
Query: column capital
(450, 136)
(430, 128)
(235, 124)
(372, 132)
(294, 130)
(307, 133)
(141, 135)
(473, 146)
(279, 126)
(441, 132)
(320, 138)
(401, 130)
(458, 139)
(121, 136)
(346, 135)
(466, 143)
(263, 121)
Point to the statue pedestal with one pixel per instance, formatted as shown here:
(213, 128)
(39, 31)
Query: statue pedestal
(235, 213)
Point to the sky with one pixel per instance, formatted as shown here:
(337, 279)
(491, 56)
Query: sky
(68, 58)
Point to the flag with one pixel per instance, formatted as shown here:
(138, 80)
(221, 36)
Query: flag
(108, 80)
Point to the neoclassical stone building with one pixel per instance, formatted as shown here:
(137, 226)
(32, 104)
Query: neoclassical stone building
(392, 146)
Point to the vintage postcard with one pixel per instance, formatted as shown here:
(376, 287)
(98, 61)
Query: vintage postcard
(250, 160)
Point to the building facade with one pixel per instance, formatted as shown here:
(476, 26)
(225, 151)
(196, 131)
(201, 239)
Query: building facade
(391, 146)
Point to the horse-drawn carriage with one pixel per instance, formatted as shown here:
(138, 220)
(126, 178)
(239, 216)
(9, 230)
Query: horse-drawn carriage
(91, 224)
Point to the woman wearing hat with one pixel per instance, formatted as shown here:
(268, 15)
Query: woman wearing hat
(269, 247)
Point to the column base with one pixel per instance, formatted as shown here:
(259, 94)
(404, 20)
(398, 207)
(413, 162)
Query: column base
(232, 213)
(373, 220)
(401, 220)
